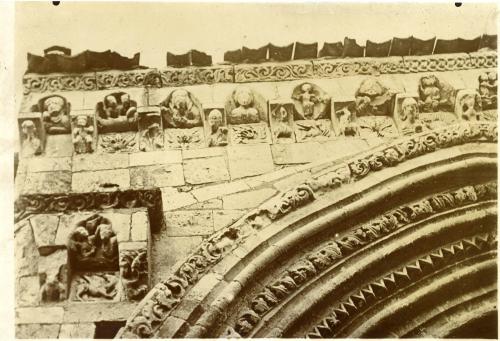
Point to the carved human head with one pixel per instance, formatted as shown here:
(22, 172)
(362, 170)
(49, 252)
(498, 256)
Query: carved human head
(80, 234)
(105, 232)
(215, 118)
(180, 99)
(125, 98)
(153, 128)
(81, 120)
(371, 87)
(55, 107)
(281, 114)
(306, 87)
(110, 101)
(470, 103)
(243, 96)
(429, 81)
(28, 128)
(408, 109)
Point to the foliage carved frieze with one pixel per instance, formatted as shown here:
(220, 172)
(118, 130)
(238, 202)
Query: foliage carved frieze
(317, 261)
(160, 301)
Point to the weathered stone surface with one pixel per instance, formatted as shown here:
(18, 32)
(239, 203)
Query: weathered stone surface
(189, 223)
(134, 270)
(92, 162)
(120, 223)
(46, 164)
(209, 192)
(100, 181)
(157, 176)
(44, 230)
(249, 160)
(126, 142)
(172, 327)
(203, 152)
(53, 273)
(39, 315)
(58, 146)
(47, 182)
(223, 218)
(155, 158)
(77, 331)
(95, 287)
(140, 226)
(25, 250)
(206, 205)
(179, 248)
(67, 223)
(37, 331)
(97, 311)
(296, 153)
(199, 171)
(247, 199)
(28, 291)
(286, 183)
(172, 199)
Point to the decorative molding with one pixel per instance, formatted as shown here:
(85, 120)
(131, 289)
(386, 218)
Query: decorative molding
(160, 301)
(272, 72)
(59, 82)
(411, 272)
(316, 262)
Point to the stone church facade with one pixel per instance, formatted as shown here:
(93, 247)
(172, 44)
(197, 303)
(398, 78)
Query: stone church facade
(276, 195)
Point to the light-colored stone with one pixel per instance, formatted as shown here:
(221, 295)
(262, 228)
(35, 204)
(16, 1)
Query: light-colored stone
(132, 245)
(203, 287)
(203, 152)
(58, 146)
(155, 158)
(47, 182)
(28, 291)
(140, 226)
(92, 162)
(189, 223)
(172, 199)
(101, 181)
(223, 218)
(206, 205)
(157, 176)
(296, 153)
(39, 315)
(98, 311)
(200, 171)
(286, 183)
(77, 331)
(44, 230)
(248, 199)
(214, 191)
(249, 160)
(270, 177)
(67, 224)
(37, 331)
(120, 223)
(47, 164)
(25, 250)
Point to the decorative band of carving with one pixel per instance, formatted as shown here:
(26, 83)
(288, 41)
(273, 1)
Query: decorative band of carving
(167, 294)
(241, 73)
(411, 272)
(318, 261)
(67, 202)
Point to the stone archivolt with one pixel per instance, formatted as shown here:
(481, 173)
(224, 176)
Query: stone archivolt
(165, 296)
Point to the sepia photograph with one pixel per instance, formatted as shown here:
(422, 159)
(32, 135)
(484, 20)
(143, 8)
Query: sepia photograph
(252, 170)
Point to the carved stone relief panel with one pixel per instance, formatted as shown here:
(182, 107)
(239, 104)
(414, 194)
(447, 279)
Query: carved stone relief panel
(55, 111)
(250, 133)
(83, 132)
(310, 102)
(150, 129)
(406, 115)
(118, 142)
(216, 130)
(134, 270)
(344, 118)
(181, 110)
(468, 105)
(373, 98)
(435, 95)
(313, 130)
(92, 245)
(53, 274)
(281, 122)
(184, 138)
(488, 87)
(377, 126)
(95, 286)
(117, 112)
(32, 134)
(245, 106)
